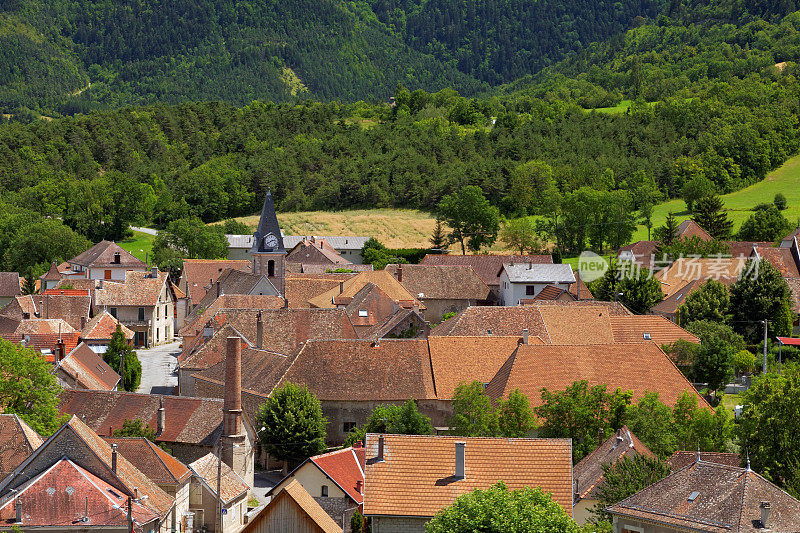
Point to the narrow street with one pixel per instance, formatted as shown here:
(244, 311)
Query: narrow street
(159, 369)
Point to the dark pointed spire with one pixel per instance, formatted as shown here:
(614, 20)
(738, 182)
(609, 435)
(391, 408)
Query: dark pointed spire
(268, 225)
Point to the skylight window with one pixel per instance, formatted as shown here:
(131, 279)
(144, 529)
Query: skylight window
(692, 497)
(647, 336)
(363, 312)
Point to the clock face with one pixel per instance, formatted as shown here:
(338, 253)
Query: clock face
(270, 241)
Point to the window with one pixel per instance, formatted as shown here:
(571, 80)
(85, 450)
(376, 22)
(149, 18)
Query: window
(157, 331)
(157, 312)
(141, 314)
(270, 268)
(165, 311)
(631, 529)
(324, 491)
(347, 427)
(647, 336)
(107, 274)
(113, 312)
(363, 312)
(529, 290)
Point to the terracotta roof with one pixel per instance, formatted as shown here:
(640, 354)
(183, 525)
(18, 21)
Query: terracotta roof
(326, 268)
(159, 466)
(236, 282)
(315, 251)
(231, 486)
(52, 274)
(794, 285)
(577, 325)
(300, 288)
(382, 331)
(660, 330)
(71, 308)
(642, 251)
(381, 278)
(18, 441)
(55, 291)
(551, 292)
(294, 491)
(344, 467)
(188, 420)
(588, 473)
(491, 320)
(284, 332)
(782, 259)
(686, 269)
(8, 325)
(376, 304)
(261, 370)
(358, 370)
(441, 282)
(197, 319)
(714, 498)
(43, 335)
(689, 228)
(102, 255)
(89, 369)
(139, 289)
(60, 495)
(198, 275)
(102, 326)
(683, 458)
(417, 476)
(614, 308)
(486, 266)
(640, 367)
(458, 359)
(579, 290)
(744, 248)
(10, 284)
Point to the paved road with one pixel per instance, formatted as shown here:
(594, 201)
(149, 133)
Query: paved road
(159, 369)
(149, 231)
(264, 481)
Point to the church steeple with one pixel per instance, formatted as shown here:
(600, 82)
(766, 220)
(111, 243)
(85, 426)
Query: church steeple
(268, 226)
(268, 251)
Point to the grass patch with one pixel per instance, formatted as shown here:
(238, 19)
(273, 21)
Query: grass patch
(729, 401)
(618, 109)
(785, 179)
(140, 245)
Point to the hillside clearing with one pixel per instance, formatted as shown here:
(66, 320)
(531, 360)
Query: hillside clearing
(140, 245)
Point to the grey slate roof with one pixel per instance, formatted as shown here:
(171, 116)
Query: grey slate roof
(539, 273)
(268, 223)
(341, 242)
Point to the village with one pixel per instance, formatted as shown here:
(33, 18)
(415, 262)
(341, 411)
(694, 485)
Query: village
(492, 356)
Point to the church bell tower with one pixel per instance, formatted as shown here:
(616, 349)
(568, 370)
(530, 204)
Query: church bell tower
(269, 255)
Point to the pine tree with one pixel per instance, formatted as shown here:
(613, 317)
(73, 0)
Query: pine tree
(711, 216)
(118, 349)
(439, 238)
(667, 233)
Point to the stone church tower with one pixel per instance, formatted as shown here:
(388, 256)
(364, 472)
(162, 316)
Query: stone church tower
(269, 255)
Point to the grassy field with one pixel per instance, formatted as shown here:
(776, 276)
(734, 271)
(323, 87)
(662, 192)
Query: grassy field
(785, 179)
(140, 245)
(731, 400)
(621, 107)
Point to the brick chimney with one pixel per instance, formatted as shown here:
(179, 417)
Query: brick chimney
(18, 510)
(59, 351)
(400, 273)
(259, 332)
(232, 407)
(359, 486)
(381, 443)
(460, 460)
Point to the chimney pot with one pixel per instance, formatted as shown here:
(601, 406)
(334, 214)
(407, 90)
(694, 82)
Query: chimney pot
(136, 493)
(381, 442)
(765, 511)
(460, 459)
(83, 323)
(114, 458)
(525, 334)
(259, 331)
(218, 290)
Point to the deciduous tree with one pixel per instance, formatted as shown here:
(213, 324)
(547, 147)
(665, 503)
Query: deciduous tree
(402, 419)
(760, 294)
(767, 223)
(290, 423)
(473, 220)
(709, 302)
(626, 477)
(473, 413)
(520, 234)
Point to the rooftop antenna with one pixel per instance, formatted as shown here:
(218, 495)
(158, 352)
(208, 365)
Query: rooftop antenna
(748, 460)
(698, 450)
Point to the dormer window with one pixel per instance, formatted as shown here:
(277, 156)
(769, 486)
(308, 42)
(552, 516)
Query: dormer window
(647, 336)
(363, 313)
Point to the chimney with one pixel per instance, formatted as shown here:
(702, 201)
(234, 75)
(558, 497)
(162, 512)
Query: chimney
(136, 493)
(154, 272)
(765, 509)
(380, 448)
(259, 332)
(232, 406)
(99, 283)
(161, 423)
(114, 458)
(400, 273)
(602, 435)
(341, 287)
(83, 323)
(359, 486)
(525, 334)
(460, 459)
(59, 352)
(18, 509)
(208, 331)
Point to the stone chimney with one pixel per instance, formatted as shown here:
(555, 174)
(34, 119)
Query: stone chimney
(83, 323)
(525, 334)
(341, 287)
(154, 272)
(259, 332)
(460, 460)
(114, 458)
(232, 407)
(161, 422)
(765, 512)
(18, 510)
(400, 273)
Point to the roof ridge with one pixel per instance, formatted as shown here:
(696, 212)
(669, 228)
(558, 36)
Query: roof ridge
(514, 439)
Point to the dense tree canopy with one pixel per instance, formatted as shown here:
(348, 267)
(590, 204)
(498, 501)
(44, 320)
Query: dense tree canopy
(120, 352)
(290, 424)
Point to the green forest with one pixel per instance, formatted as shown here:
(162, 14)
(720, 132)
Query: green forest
(652, 101)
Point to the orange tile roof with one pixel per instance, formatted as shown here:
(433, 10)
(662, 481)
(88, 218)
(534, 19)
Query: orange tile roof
(689, 228)
(231, 485)
(88, 369)
(417, 476)
(139, 289)
(159, 466)
(103, 253)
(686, 269)
(782, 259)
(441, 282)
(102, 326)
(315, 251)
(198, 274)
(661, 331)
(344, 468)
(264, 520)
(457, 359)
(300, 288)
(640, 367)
(491, 320)
(486, 266)
(682, 458)
(357, 370)
(577, 325)
(18, 439)
(197, 319)
(387, 283)
(588, 473)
